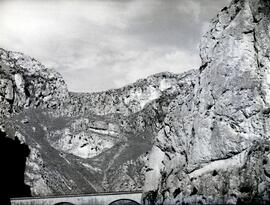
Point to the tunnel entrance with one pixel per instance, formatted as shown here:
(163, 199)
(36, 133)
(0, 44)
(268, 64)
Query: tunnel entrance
(124, 202)
(13, 156)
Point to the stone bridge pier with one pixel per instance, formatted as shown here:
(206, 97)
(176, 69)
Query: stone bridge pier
(118, 198)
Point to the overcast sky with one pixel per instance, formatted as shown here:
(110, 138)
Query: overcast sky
(102, 44)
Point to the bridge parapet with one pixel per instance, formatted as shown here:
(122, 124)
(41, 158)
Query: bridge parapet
(89, 199)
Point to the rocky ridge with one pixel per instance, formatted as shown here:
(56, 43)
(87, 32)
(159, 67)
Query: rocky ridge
(198, 137)
(83, 142)
(214, 144)
(24, 82)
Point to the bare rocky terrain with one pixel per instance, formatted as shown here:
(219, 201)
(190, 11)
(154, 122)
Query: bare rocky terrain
(214, 144)
(196, 137)
(82, 142)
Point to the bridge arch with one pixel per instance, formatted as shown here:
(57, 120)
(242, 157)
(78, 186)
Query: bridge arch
(124, 202)
(115, 198)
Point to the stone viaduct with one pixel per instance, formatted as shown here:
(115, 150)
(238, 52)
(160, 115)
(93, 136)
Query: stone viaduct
(117, 198)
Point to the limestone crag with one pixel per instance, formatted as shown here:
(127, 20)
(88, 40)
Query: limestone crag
(24, 83)
(196, 137)
(83, 142)
(214, 144)
(129, 99)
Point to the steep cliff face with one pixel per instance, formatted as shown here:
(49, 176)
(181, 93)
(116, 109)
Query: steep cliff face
(214, 144)
(83, 142)
(196, 137)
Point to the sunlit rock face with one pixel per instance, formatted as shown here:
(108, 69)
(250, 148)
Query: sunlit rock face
(24, 83)
(83, 142)
(197, 137)
(214, 144)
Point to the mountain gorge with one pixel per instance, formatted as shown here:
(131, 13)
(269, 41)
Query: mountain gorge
(197, 137)
(83, 142)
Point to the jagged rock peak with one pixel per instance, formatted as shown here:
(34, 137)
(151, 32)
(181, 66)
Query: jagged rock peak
(214, 145)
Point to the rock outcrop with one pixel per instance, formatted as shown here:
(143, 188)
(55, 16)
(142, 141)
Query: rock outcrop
(25, 83)
(83, 142)
(214, 144)
(197, 137)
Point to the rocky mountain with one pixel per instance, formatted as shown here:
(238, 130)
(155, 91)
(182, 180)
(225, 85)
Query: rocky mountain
(25, 83)
(196, 137)
(214, 145)
(83, 142)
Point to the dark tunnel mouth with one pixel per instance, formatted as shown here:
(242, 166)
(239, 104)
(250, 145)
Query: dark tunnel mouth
(13, 155)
